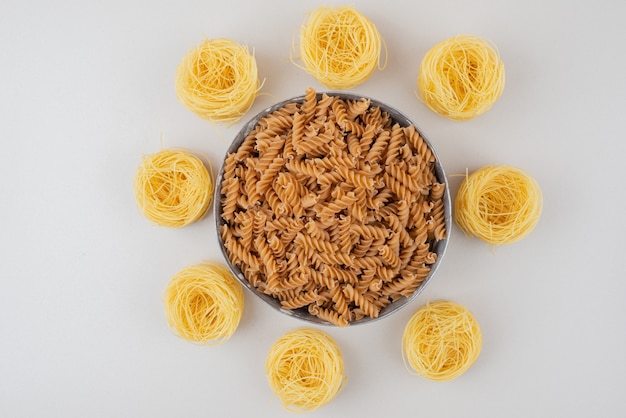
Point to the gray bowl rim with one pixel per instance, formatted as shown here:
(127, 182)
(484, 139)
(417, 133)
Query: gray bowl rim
(439, 247)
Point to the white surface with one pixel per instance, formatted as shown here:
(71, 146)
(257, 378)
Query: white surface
(86, 88)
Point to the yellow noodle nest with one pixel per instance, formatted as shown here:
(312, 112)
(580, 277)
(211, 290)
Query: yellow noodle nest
(461, 77)
(498, 204)
(218, 80)
(305, 369)
(204, 303)
(339, 46)
(173, 188)
(441, 341)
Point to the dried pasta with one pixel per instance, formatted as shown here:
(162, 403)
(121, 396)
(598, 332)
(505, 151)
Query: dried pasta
(441, 341)
(461, 77)
(173, 188)
(334, 219)
(305, 369)
(204, 303)
(499, 204)
(340, 47)
(218, 80)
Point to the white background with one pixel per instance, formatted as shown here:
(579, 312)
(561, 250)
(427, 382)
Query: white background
(86, 88)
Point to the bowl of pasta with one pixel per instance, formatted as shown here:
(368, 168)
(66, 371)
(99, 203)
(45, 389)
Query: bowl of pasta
(333, 208)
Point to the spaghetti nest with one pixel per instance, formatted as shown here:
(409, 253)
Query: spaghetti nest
(218, 80)
(305, 369)
(461, 77)
(441, 341)
(339, 46)
(204, 303)
(498, 204)
(173, 188)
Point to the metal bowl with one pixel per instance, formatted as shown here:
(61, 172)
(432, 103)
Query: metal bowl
(302, 314)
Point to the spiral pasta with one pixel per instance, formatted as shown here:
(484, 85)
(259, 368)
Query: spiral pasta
(173, 188)
(305, 369)
(204, 303)
(341, 219)
(339, 46)
(499, 204)
(441, 341)
(218, 80)
(461, 78)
